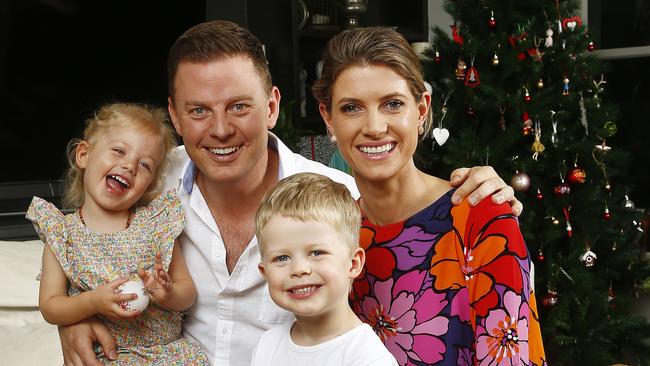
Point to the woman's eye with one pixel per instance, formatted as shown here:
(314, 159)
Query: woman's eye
(350, 108)
(394, 105)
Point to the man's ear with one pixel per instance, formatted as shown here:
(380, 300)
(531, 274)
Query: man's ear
(357, 262)
(81, 154)
(274, 107)
(173, 116)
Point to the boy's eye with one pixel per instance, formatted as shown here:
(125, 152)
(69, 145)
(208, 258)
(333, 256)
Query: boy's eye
(317, 252)
(281, 258)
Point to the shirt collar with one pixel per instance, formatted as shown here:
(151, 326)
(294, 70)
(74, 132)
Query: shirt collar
(285, 166)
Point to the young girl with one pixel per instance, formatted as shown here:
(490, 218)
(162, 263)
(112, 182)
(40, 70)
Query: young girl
(443, 284)
(120, 230)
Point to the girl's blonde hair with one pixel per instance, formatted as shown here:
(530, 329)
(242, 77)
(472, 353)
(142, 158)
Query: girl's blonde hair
(115, 115)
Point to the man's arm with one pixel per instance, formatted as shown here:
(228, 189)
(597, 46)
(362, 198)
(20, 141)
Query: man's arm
(77, 342)
(479, 182)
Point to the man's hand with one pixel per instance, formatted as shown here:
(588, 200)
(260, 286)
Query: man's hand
(77, 342)
(479, 182)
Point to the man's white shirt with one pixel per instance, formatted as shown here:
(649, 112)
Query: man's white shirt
(231, 310)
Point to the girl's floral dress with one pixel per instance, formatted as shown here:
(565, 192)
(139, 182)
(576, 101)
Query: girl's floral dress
(451, 286)
(91, 259)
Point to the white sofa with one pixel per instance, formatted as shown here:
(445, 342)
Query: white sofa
(25, 337)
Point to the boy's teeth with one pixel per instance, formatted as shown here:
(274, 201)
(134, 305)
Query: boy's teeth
(376, 149)
(224, 151)
(303, 290)
(120, 179)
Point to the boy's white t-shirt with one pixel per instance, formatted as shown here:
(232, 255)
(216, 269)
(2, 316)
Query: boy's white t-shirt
(359, 347)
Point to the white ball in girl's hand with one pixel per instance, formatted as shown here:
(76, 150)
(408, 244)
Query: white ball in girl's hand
(134, 287)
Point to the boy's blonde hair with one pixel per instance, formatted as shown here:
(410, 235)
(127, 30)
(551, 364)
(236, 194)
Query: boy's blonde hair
(311, 197)
(116, 115)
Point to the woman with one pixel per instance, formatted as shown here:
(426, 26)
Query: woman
(443, 284)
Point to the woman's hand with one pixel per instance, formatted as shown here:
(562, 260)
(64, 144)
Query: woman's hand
(106, 300)
(479, 182)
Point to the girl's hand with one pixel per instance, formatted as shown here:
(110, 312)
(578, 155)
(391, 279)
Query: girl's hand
(107, 301)
(160, 283)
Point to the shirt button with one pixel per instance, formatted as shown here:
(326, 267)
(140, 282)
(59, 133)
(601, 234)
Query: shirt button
(219, 254)
(224, 331)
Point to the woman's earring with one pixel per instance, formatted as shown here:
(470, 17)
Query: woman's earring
(420, 130)
(331, 136)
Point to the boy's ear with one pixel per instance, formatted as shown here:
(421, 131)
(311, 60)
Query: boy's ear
(262, 270)
(358, 260)
(81, 154)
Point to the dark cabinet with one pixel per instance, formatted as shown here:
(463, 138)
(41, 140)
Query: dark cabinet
(295, 32)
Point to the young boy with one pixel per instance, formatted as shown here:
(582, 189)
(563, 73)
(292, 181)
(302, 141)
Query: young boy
(308, 234)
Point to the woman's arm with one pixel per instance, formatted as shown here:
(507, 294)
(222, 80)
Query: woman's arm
(174, 290)
(60, 309)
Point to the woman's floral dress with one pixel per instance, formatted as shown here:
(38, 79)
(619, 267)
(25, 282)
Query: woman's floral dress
(90, 259)
(450, 286)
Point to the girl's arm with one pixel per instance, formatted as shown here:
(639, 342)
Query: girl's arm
(174, 290)
(60, 309)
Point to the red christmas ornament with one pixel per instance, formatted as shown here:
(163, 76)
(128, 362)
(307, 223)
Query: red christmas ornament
(550, 299)
(521, 56)
(528, 124)
(492, 23)
(472, 78)
(562, 189)
(571, 23)
(607, 215)
(539, 194)
(576, 176)
(527, 96)
(540, 256)
(436, 58)
(591, 46)
(569, 230)
(456, 34)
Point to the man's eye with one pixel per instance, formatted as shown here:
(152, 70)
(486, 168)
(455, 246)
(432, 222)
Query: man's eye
(238, 107)
(198, 111)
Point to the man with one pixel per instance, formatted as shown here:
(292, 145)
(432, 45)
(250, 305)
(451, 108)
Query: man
(222, 103)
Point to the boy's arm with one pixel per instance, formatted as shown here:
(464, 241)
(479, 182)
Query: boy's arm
(60, 309)
(174, 290)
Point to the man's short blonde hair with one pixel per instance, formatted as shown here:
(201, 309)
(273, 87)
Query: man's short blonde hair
(311, 197)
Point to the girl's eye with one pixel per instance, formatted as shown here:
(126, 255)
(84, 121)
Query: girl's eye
(145, 165)
(118, 150)
(281, 258)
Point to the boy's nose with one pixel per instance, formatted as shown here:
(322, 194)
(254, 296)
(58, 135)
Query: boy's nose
(300, 268)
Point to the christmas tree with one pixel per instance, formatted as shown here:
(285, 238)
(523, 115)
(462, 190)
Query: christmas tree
(515, 86)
